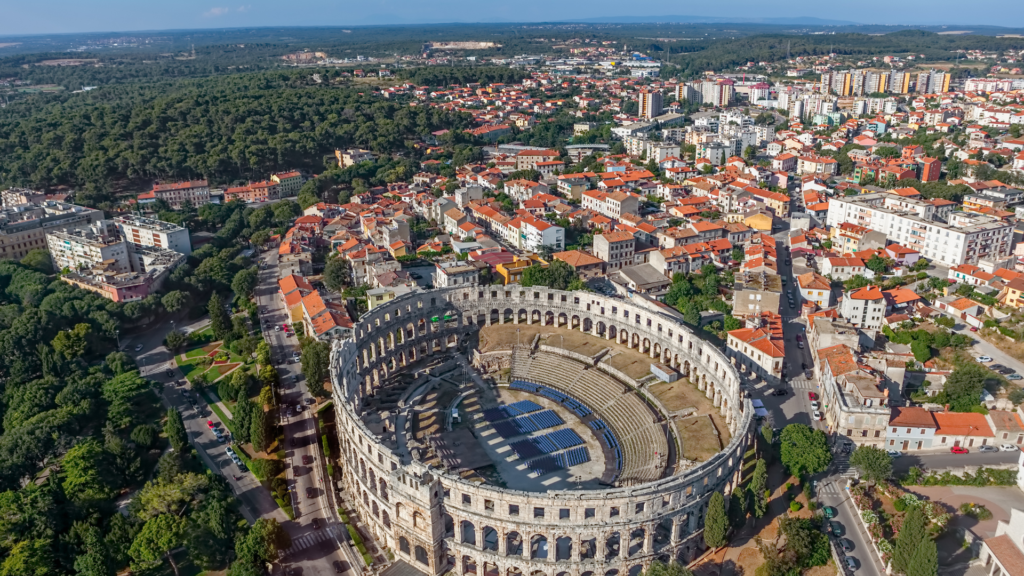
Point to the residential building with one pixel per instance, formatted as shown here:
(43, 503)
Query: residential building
(151, 268)
(253, 192)
(617, 248)
(612, 205)
(456, 273)
(352, 157)
(87, 247)
(585, 265)
(325, 321)
(819, 165)
(756, 350)
(293, 288)
(650, 104)
(512, 271)
(854, 401)
(844, 268)
(17, 196)
(642, 278)
(967, 238)
(141, 231)
(23, 228)
(815, 288)
(288, 183)
(534, 234)
(910, 428)
(177, 194)
(965, 429)
(864, 307)
(528, 159)
(1003, 554)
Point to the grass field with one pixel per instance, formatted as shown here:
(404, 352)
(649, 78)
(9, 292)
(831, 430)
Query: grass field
(676, 395)
(189, 365)
(699, 439)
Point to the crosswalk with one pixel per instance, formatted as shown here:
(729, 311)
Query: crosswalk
(803, 384)
(829, 488)
(302, 542)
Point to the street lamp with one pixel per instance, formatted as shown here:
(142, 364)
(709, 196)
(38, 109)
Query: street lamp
(117, 335)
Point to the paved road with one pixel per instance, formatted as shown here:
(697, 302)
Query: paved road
(314, 550)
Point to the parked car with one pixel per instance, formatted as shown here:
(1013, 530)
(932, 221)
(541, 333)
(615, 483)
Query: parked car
(959, 450)
(1009, 448)
(812, 395)
(211, 424)
(138, 347)
(170, 373)
(316, 523)
(416, 276)
(800, 345)
(894, 453)
(851, 563)
(846, 544)
(295, 356)
(830, 512)
(983, 359)
(277, 328)
(307, 459)
(1014, 377)
(816, 415)
(987, 448)
(836, 529)
(815, 405)
(309, 492)
(799, 338)
(778, 392)
(973, 329)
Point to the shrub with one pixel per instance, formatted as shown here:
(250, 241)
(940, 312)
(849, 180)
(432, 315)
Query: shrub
(795, 506)
(978, 511)
(265, 468)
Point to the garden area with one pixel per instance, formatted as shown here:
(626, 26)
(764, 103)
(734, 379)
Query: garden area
(210, 362)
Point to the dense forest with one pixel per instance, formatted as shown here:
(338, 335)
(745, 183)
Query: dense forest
(224, 128)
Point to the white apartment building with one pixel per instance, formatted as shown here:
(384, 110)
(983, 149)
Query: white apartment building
(23, 228)
(195, 192)
(968, 237)
(854, 402)
(616, 248)
(534, 234)
(158, 234)
(87, 247)
(650, 104)
(611, 204)
(456, 273)
(864, 307)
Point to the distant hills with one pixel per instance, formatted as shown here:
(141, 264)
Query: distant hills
(783, 21)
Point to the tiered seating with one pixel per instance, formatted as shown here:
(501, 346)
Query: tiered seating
(598, 424)
(545, 419)
(523, 385)
(578, 408)
(527, 448)
(598, 388)
(524, 407)
(521, 362)
(528, 423)
(552, 394)
(553, 369)
(499, 413)
(573, 457)
(564, 438)
(545, 465)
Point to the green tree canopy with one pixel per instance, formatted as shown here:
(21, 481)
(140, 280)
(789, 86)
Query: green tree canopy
(804, 450)
(874, 463)
(716, 523)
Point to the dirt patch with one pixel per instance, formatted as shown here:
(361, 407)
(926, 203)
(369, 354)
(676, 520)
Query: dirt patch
(211, 347)
(699, 437)
(749, 560)
(674, 396)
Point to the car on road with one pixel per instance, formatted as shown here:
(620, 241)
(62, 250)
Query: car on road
(894, 453)
(138, 347)
(1009, 448)
(836, 529)
(850, 563)
(816, 415)
(830, 512)
(277, 328)
(307, 459)
(1014, 377)
(170, 373)
(984, 358)
(778, 392)
(959, 450)
(309, 492)
(800, 345)
(987, 448)
(846, 544)
(799, 338)
(316, 523)
(815, 405)
(415, 276)
(296, 356)
(812, 395)
(310, 400)
(974, 329)
(211, 424)
(338, 567)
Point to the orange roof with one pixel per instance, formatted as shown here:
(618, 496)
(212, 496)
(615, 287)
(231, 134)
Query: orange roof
(618, 236)
(962, 303)
(576, 258)
(293, 282)
(292, 299)
(1007, 552)
(813, 281)
(962, 424)
(913, 416)
(902, 295)
(839, 358)
(867, 293)
(761, 340)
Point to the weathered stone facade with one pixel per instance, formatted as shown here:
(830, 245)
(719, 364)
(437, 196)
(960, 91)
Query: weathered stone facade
(438, 522)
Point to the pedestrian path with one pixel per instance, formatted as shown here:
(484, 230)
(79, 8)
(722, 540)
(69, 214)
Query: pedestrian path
(829, 488)
(803, 384)
(302, 542)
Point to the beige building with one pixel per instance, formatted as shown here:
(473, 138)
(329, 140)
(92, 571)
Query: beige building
(23, 228)
(155, 233)
(289, 183)
(177, 194)
(854, 402)
(616, 248)
(87, 247)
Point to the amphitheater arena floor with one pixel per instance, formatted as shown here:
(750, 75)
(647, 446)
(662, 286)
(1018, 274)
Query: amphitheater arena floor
(503, 337)
(697, 432)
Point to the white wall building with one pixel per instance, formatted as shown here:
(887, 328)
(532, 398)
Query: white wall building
(148, 232)
(864, 307)
(87, 247)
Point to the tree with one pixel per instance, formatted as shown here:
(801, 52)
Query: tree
(38, 259)
(874, 463)
(174, 300)
(174, 429)
(921, 350)
(316, 358)
(175, 340)
(759, 487)
(159, 535)
(804, 450)
(912, 533)
(220, 322)
(715, 521)
(963, 387)
(244, 282)
(120, 363)
(925, 561)
(336, 275)
(674, 569)
(242, 416)
(263, 542)
(259, 428)
(876, 265)
(29, 558)
(86, 474)
(72, 343)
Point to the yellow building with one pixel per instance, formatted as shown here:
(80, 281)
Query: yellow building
(1014, 293)
(760, 221)
(379, 296)
(513, 271)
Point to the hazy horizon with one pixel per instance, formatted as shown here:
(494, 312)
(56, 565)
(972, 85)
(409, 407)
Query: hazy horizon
(111, 16)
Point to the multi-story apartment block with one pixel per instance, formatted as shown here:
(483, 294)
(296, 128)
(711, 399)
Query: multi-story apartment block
(150, 269)
(864, 307)
(617, 248)
(933, 82)
(23, 228)
(177, 194)
(967, 238)
(86, 247)
(254, 192)
(528, 159)
(820, 165)
(757, 350)
(289, 183)
(612, 205)
(899, 82)
(855, 402)
(141, 231)
(18, 196)
(533, 234)
(456, 273)
(650, 104)
(352, 157)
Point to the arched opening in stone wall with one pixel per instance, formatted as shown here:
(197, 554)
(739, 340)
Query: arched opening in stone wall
(636, 570)
(468, 532)
(588, 549)
(490, 539)
(563, 548)
(385, 518)
(449, 526)
(538, 547)
(636, 541)
(403, 545)
(514, 544)
(421, 556)
(662, 534)
(490, 569)
(384, 490)
(376, 510)
(611, 546)
(468, 565)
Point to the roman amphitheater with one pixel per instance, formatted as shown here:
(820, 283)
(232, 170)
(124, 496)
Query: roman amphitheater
(509, 431)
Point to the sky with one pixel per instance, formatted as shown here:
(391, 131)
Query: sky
(22, 17)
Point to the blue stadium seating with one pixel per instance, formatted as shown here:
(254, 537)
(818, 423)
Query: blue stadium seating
(564, 438)
(545, 419)
(524, 407)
